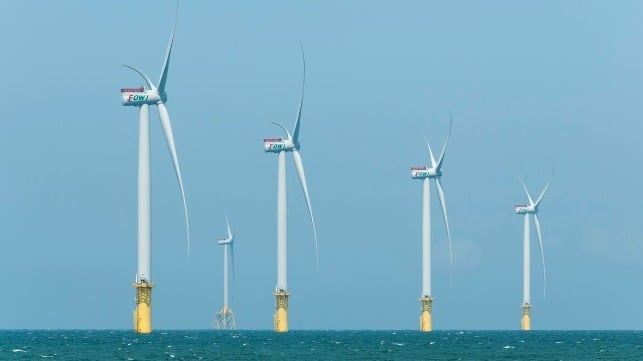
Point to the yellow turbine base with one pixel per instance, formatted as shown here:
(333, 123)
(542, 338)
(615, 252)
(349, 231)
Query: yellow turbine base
(281, 312)
(426, 322)
(525, 320)
(142, 315)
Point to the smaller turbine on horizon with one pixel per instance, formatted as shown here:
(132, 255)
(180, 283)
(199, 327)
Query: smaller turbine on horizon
(426, 173)
(225, 317)
(527, 210)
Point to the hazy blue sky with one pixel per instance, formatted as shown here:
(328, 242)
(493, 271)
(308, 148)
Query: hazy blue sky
(529, 83)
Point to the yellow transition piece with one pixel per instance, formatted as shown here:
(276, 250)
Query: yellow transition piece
(281, 312)
(426, 324)
(143, 313)
(525, 321)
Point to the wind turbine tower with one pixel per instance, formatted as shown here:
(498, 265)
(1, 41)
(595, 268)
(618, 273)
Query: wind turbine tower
(426, 173)
(527, 210)
(281, 146)
(142, 98)
(225, 317)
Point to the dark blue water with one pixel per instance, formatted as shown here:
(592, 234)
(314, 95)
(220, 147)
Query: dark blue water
(321, 345)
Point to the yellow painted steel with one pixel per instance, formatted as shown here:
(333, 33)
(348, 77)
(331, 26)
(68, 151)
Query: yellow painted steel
(281, 312)
(142, 315)
(426, 322)
(525, 320)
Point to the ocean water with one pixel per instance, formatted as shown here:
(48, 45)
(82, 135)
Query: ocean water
(320, 345)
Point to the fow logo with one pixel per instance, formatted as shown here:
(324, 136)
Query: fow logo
(276, 146)
(137, 98)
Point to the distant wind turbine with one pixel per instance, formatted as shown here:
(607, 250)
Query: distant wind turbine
(281, 146)
(426, 173)
(528, 209)
(142, 98)
(225, 317)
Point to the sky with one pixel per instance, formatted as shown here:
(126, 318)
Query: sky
(530, 85)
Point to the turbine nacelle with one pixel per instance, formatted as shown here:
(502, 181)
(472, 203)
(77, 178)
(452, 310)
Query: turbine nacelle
(276, 145)
(525, 208)
(425, 172)
(140, 96)
(224, 241)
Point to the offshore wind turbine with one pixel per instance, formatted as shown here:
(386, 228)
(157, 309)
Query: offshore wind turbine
(281, 146)
(527, 210)
(142, 98)
(225, 317)
(426, 173)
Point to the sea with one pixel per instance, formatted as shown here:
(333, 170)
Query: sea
(320, 345)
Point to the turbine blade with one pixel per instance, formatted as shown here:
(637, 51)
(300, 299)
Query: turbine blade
(444, 147)
(302, 179)
(231, 240)
(446, 220)
(149, 83)
(232, 262)
(542, 194)
(295, 134)
(431, 158)
(542, 253)
(229, 231)
(169, 137)
(282, 127)
(166, 62)
(531, 202)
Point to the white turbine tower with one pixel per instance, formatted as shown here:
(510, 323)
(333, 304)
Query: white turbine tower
(281, 146)
(225, 317)
(527, 210)
(426, 173)
(142, 98)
